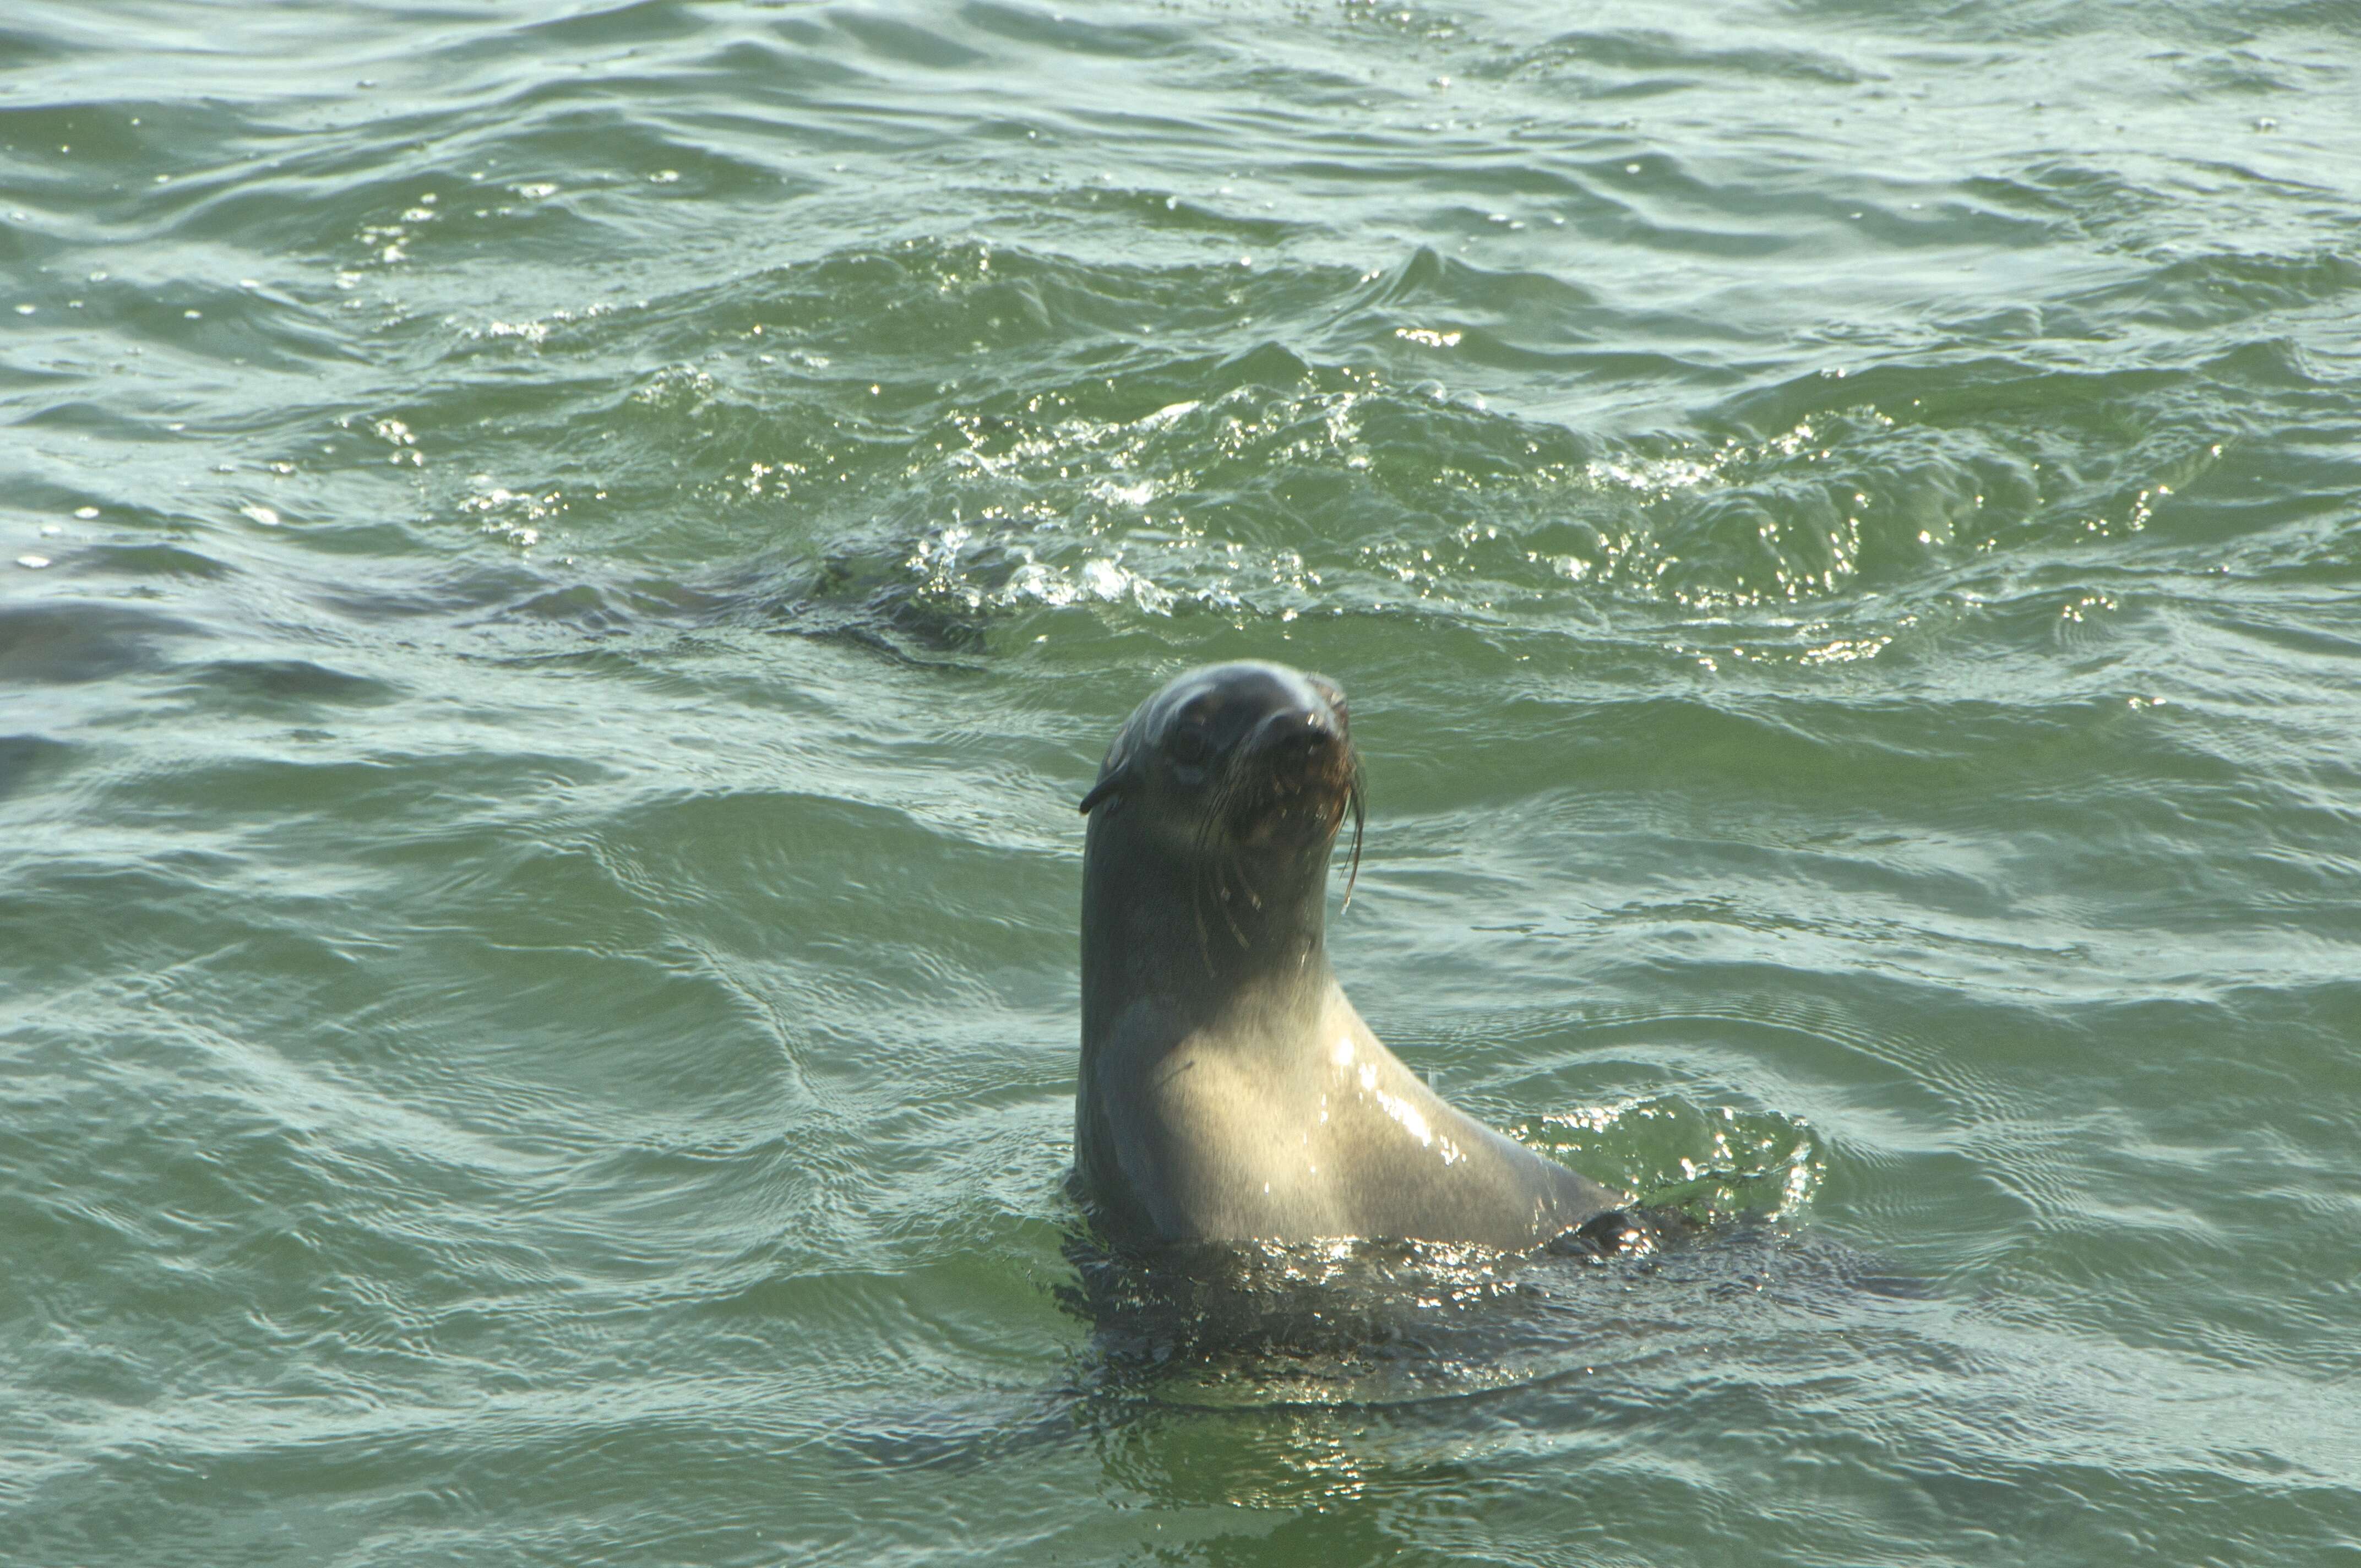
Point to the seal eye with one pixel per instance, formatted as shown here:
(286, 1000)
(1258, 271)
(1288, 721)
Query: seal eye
(1189, 746)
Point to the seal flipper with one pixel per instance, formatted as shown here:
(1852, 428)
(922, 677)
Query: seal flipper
(1617, 1233)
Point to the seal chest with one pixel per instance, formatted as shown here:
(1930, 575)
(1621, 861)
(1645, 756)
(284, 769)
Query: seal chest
(1229, 1092)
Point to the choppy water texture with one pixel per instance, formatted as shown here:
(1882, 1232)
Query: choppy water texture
(570, 563)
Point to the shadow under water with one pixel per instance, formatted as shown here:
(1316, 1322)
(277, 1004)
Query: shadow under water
(1433, 1335)
(1366, 1323)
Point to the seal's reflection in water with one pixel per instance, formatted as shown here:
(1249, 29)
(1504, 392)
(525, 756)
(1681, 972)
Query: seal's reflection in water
(1366, 1322)
(1290, 1374)
(1313, 1376)
(1348, 1322)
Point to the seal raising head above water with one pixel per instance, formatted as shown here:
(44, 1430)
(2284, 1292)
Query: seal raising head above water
(1229, 1092)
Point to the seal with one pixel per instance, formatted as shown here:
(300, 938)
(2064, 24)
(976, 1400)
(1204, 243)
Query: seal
(1229, 1092)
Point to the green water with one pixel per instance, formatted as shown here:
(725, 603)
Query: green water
(570, 563)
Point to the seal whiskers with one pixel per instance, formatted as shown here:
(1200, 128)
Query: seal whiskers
(1353, 794)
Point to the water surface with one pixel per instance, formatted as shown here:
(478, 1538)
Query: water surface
(563, 567)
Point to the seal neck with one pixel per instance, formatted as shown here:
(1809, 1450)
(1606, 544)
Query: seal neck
(1193, 945)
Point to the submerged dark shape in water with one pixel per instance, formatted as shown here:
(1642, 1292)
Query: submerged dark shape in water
(1418, 1335)
(872, 599)
(1229, 1092)
(1404, 1324)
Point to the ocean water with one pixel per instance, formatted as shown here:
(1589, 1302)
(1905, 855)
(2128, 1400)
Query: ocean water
(563, 566)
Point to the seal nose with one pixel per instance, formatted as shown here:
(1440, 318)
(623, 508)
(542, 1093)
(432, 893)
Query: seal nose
(1292, 734)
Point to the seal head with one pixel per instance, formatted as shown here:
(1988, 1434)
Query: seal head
(1229, 1092)
(1236, 778)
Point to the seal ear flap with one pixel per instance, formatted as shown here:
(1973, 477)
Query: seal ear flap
(1113, 773)
(1108, 783)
